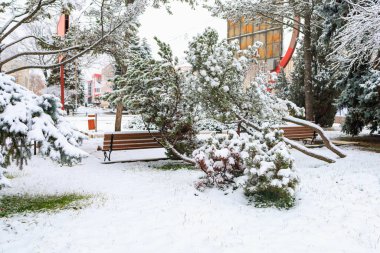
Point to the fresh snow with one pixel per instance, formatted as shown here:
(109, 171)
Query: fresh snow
(137, 208)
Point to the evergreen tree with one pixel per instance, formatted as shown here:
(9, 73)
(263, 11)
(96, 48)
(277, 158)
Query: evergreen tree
(357, 56)
(361, 99)
(155, 90)
(26, 118)
(325, 90)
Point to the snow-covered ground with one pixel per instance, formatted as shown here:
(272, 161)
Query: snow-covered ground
(138, 208)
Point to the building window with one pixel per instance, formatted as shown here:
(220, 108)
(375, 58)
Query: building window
(264, 30)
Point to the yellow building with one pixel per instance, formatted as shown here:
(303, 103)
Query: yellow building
(278, 43)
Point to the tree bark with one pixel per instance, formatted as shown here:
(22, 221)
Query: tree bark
(309, 98)
(119, 116)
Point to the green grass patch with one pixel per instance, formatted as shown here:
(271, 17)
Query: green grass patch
(272, 197)
(15, 204)
(176, 166)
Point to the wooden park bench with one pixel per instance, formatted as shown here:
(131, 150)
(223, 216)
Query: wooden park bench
(118, 141)
(303, 133)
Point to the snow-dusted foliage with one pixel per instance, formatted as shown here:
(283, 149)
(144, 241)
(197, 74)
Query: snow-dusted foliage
(260, 162)
(358, 42)
(271, 176)
(26, 118)
(217, 80)
(217, 74)
(222, 159)
(155, 90)
(361, 98)
(137, 123)
(209, 124)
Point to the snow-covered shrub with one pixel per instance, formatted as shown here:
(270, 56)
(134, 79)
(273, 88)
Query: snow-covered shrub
(271, 177)
(26, 118)
(261, 160)
(222, 159)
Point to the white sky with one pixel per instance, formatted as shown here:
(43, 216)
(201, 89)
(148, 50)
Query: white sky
(176, 29)
(179, 28)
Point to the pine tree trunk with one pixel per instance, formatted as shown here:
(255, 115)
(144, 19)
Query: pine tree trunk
(119, 115)
(309, 99)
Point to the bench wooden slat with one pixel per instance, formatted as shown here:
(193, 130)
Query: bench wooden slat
(298, 132)
(130, 141)
(151, 143)
(107, 137)
(136, 146)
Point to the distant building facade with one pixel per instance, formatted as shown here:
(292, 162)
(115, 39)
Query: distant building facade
(22, 77)
(275, 41)
(99, 85)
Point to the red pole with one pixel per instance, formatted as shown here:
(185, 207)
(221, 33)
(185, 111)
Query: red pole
(62, 27)
(62, 79)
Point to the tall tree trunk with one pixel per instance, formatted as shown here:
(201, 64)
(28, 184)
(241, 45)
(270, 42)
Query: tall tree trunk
(119, 115)
(309, 99)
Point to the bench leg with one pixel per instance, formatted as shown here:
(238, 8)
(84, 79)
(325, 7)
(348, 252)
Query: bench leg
(314, 137)
(107, 156)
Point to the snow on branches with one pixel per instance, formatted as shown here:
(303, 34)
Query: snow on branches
(26, 118)
(155, 90)
(358, 42)
(222, 159)
(260, 163)
(217, 77)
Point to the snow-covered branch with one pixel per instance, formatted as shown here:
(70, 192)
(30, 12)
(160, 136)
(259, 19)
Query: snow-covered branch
(358, 42)
(6, 46)
(5, 32)
(15, 56)
(321, 133)
(291, 143)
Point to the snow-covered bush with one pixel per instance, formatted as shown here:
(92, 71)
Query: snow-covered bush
(261, 161)
(26, 118)
(271, 178)
(222, 159)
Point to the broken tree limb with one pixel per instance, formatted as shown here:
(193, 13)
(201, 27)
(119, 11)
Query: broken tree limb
(320, 131)
(178, 154)
(307, 151)
(293, 144)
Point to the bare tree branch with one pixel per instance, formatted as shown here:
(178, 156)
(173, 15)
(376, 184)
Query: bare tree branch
(24, 38)
(26, 18)
(70, 59)
(39, 53)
